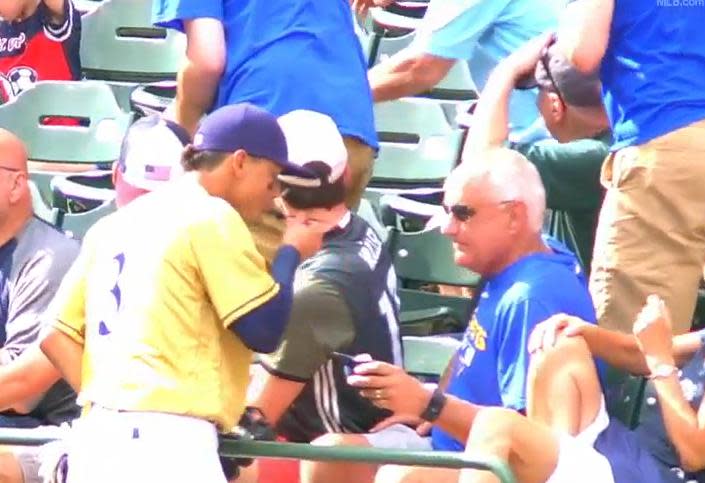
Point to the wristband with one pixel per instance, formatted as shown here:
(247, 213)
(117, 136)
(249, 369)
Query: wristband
(435, 406)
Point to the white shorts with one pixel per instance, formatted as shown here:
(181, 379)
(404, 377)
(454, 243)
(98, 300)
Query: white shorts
(578, 460)
(399, 436)
(143, 447)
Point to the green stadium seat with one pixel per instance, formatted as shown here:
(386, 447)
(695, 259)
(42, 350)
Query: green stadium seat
(418, 147)
(77, 224)
(119, 43)
(41, 209)
(94, 144)
(427, 357)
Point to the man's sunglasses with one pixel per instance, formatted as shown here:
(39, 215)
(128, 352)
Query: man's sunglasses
(463, 213)
(544, 59)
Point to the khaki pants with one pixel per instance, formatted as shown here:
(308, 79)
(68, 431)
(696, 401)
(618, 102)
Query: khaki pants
(651, 232)
(268, 231)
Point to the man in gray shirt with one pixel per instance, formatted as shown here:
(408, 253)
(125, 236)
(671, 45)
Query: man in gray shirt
(34, 257)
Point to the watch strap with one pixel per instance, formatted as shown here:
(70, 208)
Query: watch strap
(435, 406)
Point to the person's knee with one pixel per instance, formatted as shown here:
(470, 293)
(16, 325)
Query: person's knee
(492, 423)
(10, 471)
(567, 353)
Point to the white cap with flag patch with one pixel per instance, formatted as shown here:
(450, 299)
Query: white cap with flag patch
(312, 137)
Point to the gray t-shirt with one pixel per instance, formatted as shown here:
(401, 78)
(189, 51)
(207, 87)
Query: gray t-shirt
(32, 266)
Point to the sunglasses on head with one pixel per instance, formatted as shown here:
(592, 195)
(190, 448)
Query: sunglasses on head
(545, 62)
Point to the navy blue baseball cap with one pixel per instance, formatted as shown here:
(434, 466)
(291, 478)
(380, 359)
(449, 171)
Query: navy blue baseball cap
(250, 128)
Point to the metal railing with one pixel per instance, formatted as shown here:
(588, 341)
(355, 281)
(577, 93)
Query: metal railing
(254, 449)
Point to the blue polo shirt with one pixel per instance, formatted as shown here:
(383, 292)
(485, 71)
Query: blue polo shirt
(284, 55)
(484, 32)
(493, 359)
(653, 70)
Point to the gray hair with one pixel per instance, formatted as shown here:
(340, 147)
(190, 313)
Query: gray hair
(508, 175)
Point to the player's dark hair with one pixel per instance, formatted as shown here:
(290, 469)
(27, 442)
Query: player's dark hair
(193, 160)
(327, 195)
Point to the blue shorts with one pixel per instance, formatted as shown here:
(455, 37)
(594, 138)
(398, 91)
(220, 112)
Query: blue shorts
(629, 459)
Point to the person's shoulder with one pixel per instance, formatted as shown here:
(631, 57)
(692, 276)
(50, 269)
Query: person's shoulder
(41, 236)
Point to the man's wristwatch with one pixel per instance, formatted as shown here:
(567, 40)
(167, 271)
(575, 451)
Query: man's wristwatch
(435, 406)
(662, 370)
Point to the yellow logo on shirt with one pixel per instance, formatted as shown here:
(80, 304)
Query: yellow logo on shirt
(478, 335)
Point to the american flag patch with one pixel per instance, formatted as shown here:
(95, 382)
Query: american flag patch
(157, 173)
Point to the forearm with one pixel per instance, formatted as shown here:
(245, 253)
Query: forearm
(66, 355)
(261, 329)
(406, 74)
(681, 421)
(619, 350)
(490, 121)
(456, 417)
(196, 92)
(25, 380)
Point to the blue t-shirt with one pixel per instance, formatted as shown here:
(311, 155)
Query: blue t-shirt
(493, 358)
(284, 55)
(484, 32)
(653, 70)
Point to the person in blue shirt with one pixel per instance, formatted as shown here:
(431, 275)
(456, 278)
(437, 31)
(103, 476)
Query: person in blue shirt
(666, 447)
(495, 204)
(651, 232)
(280, 56)
(480, 32)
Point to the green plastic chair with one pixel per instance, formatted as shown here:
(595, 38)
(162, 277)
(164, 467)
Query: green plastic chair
(119, 43)
(40, 207)
(77, 224)
(427, 357)
(418, 147)
(91, 101)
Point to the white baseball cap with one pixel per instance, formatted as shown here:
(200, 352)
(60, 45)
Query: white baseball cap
(313, 138)
(151, 152)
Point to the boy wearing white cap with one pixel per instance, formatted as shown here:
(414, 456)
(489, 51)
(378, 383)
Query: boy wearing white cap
(344, 298)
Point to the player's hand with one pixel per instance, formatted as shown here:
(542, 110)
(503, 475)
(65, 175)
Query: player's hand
(653, 333)
(305, 237)
(387, 386)
(362, 6)
(545, 334)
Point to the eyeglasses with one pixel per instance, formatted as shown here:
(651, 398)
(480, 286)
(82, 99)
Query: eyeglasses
(545, 63)
(463, 213)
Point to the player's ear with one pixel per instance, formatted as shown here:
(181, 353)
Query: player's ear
(237, 163)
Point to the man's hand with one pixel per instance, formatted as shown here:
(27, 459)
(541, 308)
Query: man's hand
(545, 334)
(524, 60)
(389, 387)
(305, 237)
(362, 6)
(652, 330)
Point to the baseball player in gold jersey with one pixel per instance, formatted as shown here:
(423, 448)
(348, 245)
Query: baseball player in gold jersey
(168, 299)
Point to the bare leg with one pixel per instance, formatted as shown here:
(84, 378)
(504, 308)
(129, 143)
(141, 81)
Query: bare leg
(566, 374)
(10, 471)
(325, 472)
(416, 474)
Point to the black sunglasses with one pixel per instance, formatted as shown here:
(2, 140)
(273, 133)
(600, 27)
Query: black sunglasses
(463, 213)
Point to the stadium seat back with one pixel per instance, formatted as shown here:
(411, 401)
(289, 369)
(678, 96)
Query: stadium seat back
(77, 224)
(119, 43)
(418, 147)
(95, 140)
(427, 357)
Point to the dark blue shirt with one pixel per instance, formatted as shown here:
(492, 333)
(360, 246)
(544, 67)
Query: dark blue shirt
(653, 72)
(493, 359)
